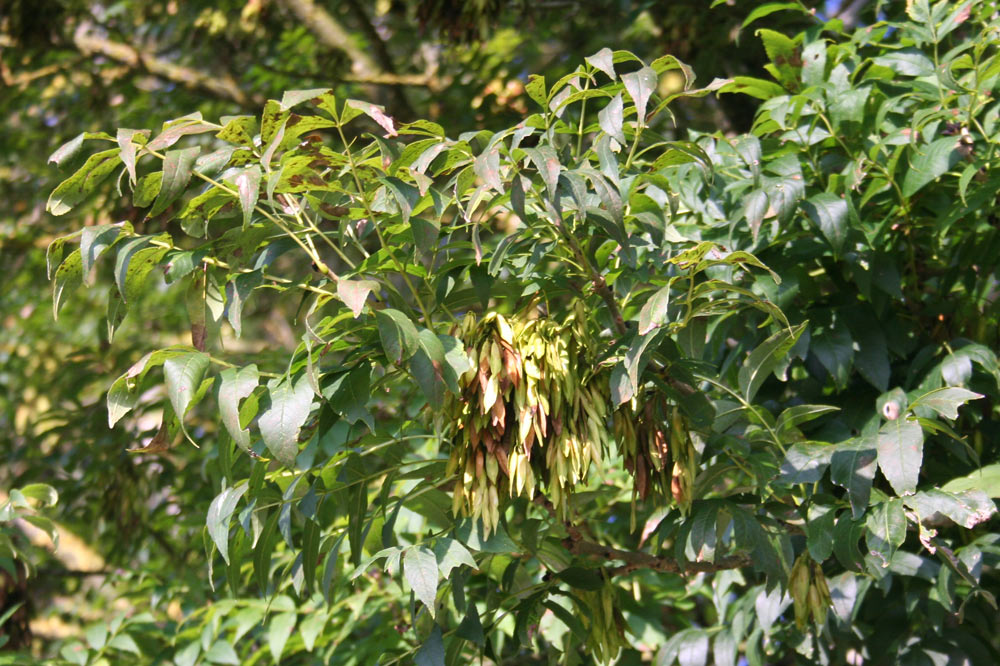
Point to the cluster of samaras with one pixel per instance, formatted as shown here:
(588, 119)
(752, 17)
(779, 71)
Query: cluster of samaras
(657, 448)
(526, 412)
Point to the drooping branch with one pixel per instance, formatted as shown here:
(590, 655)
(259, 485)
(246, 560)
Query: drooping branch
(223, 86)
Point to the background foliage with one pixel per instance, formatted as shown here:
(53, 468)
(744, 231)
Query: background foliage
(775, 288)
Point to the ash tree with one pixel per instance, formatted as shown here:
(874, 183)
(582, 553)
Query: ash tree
(580, 390)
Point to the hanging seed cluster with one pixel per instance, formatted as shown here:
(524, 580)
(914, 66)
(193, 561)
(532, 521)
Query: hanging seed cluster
(529, 412)
(657, 448)
(810, 593)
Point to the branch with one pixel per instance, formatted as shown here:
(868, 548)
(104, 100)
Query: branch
(635, 560)
(221, 86)
(639, 560)
(332, 35)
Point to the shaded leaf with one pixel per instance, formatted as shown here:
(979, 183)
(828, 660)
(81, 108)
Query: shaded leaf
(450, 554)
(852, 466)
(805, 462)
(829, 213)
(431, 653)
(765, 358)
(886, 530)
(177, 167)
(929, 162)
(398, 334)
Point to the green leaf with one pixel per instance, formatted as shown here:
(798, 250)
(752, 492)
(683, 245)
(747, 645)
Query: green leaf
(96, 635)
(68, 150)
(222, 652)
(967, 508)
(487, 167)
(278, 633)
(907, 62)
(604, 61)
(450, 554)
(431, 653)
(625, 375)
(845, 542)
(929, 162)
(93, 242)
(819, 531)
(42, 493)
(70, 272)
(248, 186)
(536, 90)
(766, 358)
(147, 189)
(406, 195)
(471, 627)
(238, 290)
(689, 647)
(852, 466)
(768, 8)
(900, 453)
(349, 393)
(805, 462)
(398, 334)
(547, 163)
(125, 643)
(137, 266)
(829, 213)
(238, 130)
(263, 549)
(834, 348)
(291, 402)
(127, 140)
(183, 376)
(654, 312)
(794, 416)
(748, 85)
(985, 478)
(177, 167)
(611, 118)
(886, 530)
(376, 113)
(421, 571)
(234, 386)
(640, 86)
(220, 511)
(354, 293)
(75, 189)
(312, 627)
(173, 130)
(946, 401)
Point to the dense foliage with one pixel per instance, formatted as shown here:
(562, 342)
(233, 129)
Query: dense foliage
(580, 390)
